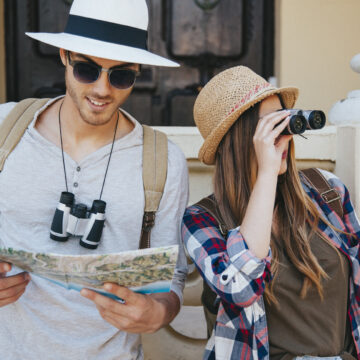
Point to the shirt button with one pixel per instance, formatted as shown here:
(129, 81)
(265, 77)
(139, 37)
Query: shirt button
(224, 277)
(76, 184)
(356, 338)
(78, 168)
(331, 236)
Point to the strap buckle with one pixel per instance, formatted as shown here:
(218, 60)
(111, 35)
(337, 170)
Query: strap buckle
(223, 229)
(148, 220)
(328, 198)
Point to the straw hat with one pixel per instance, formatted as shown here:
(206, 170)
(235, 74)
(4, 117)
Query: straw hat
(224, 98)
(109, 29)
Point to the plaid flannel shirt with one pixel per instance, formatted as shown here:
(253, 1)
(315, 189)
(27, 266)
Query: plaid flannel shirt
(239, 277)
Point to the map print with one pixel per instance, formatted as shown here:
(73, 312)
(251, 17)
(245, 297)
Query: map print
(144, 271)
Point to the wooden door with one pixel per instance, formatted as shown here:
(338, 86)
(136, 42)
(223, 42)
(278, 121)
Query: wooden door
(204, 36)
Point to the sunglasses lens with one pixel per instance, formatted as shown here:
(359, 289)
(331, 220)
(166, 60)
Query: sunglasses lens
(122, 79)
(86, 73)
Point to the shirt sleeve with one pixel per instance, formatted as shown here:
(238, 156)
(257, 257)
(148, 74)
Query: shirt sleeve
(227, 265)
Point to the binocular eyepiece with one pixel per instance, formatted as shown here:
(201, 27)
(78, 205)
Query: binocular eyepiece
(72, 219)
(301, 120)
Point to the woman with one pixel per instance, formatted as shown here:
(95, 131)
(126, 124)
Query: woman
(287, 274)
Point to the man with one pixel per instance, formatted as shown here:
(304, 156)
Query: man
(68, 146)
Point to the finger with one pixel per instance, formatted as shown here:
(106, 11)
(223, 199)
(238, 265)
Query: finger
(108, 314)
(118, 324)
(279, 129)
(122, 292)
(12, 299)
(123, 324)
(12, 291)
(14, 280)
(274, 122)
(4, 268)
(103, 301)
(272, 118)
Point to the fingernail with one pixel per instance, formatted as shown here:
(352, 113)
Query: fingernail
(7, 267)
(27, 277)
(84, 292)
(108, 287)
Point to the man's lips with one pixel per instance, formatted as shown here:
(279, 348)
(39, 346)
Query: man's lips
(284, 154)
(97, 104)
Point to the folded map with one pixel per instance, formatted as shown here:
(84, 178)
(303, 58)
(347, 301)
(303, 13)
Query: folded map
(144, 271)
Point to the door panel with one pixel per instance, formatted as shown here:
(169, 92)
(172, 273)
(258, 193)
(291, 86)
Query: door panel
(204, 36)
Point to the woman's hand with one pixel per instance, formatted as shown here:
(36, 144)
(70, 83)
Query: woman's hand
(269, 147)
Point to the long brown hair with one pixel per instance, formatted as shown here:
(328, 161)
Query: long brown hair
(234, 178)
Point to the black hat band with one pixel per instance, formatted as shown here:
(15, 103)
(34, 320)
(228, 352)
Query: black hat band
(106, 31)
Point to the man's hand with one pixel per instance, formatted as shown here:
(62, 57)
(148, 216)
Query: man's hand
(11, 287)
(140, 313)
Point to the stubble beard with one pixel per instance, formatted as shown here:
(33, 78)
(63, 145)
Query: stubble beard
(95, 120)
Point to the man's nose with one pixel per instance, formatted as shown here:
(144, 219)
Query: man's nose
(102, 85)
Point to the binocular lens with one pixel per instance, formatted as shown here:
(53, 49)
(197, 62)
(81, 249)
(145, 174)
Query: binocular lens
(300, 120)
(317, 119)
(297, 125)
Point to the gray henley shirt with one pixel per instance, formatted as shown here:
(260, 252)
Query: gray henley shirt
(49, 322)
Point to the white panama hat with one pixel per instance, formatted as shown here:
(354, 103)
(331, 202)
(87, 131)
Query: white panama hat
(109, 29)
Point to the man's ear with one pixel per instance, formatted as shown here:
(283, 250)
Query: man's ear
(62, 53)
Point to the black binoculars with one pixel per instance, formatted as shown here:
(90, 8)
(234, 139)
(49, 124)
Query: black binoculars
(77, 220)
(301, 120)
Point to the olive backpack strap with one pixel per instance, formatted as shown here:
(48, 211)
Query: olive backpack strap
(208, 296)
(209, 204)
(328, 194)
(155, 160)
(14, 125)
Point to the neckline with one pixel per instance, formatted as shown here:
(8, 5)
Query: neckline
(134, 137)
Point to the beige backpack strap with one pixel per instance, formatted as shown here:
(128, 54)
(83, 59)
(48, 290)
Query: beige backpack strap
(155, 159)
(15, 124)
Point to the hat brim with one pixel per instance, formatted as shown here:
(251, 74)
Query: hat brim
(102, 49)
(208, 150)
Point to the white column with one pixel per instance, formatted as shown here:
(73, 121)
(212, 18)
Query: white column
(345, 114)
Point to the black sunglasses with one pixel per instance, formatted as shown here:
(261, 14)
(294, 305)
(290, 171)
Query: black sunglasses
(87, 73)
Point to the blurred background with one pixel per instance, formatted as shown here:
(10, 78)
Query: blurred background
(306, 43)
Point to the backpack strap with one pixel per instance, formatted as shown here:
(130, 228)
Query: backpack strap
(209, 205)
(14, 125)
(155, 160)
(328, 194)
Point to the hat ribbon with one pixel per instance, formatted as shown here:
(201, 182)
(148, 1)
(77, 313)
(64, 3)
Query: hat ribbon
(107, 31)
(251, 95)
